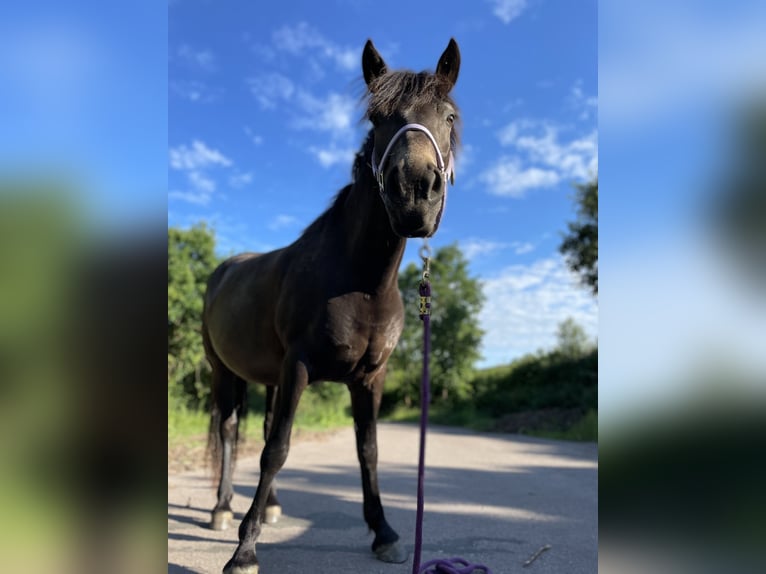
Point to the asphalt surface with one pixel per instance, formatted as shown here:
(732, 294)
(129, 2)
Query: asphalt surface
(492, 499)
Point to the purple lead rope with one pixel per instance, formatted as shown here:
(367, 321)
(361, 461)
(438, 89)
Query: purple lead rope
(425, 399)
(439, 566)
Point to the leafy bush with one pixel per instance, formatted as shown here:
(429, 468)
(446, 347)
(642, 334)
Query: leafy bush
(539, 381)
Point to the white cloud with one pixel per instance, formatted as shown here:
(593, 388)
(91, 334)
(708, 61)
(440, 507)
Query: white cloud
(239, 180)
(195, 92)
(464, 159)
(584, 105)
(509, 133)
(508, 178)
(333, 114)
(573, 159)
(295, 39)
(282, 221)
(525, 304)
(331, 155)
(302, 37)
(269, 89)
(508, 10)
(546, 159)
(203, 59)
(201, 182)
(197, 198)
(195, 161)
(476, 247)
(196, 157)
(257, 139)
(202, 189)
(348, 59)
(522, 248)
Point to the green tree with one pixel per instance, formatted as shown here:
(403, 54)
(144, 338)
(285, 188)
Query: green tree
(572, 340)
(191, 259)
(580, 244)
(456, 300)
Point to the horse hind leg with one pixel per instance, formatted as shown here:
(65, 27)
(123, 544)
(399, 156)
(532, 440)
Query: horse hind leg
(229, 396)
(273, 510)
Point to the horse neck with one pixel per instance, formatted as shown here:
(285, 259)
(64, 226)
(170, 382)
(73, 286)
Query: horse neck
(374, 249)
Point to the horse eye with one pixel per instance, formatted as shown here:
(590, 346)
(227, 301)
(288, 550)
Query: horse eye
(451, 119)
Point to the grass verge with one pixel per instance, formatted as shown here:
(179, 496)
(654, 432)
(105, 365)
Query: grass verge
(322, 408)
(460, 417)
(586, 429)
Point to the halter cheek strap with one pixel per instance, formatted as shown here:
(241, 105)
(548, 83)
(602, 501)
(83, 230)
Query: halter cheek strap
(447, 171)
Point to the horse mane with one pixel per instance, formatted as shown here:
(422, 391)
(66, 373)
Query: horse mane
(360, 169)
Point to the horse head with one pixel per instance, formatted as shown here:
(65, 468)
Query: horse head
(415, 130)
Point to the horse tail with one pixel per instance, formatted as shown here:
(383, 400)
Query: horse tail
(225, 402)
(228, 391)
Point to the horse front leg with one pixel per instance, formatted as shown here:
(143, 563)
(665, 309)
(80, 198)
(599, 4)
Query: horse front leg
(365, 404)
(293, 382)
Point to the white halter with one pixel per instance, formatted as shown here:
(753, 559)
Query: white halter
(447, 171)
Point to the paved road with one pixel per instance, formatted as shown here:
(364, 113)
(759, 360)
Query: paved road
(492, 499)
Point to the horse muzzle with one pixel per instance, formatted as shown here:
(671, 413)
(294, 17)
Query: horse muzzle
(416, 217)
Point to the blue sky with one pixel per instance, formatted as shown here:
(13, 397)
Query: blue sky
(264, 120)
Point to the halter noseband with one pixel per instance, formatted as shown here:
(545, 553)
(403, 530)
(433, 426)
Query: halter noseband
(447, 171)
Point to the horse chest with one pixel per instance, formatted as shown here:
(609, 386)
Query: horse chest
(359, 340)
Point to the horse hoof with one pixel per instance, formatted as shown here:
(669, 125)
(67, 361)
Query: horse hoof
(391, 553)
(221, 520)
(272, 514)
(252, 569)
(232, 568)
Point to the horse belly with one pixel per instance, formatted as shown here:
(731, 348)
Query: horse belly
(242, 333)
(255, 359)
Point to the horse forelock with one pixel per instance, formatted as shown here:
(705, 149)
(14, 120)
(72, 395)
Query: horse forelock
(393, 90)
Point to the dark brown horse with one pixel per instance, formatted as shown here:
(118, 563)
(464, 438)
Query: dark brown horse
(328, 306)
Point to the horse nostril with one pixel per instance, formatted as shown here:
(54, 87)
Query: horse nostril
(427, 185)
(438, 180)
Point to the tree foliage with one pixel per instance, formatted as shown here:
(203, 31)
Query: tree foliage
(580, 244)
(456, 299)
(191, 259)
(572, 339)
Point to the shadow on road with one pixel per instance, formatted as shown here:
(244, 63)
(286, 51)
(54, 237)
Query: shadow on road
(498, 515)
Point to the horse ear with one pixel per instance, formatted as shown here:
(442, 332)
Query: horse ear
(373, 65)
(449, 63)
